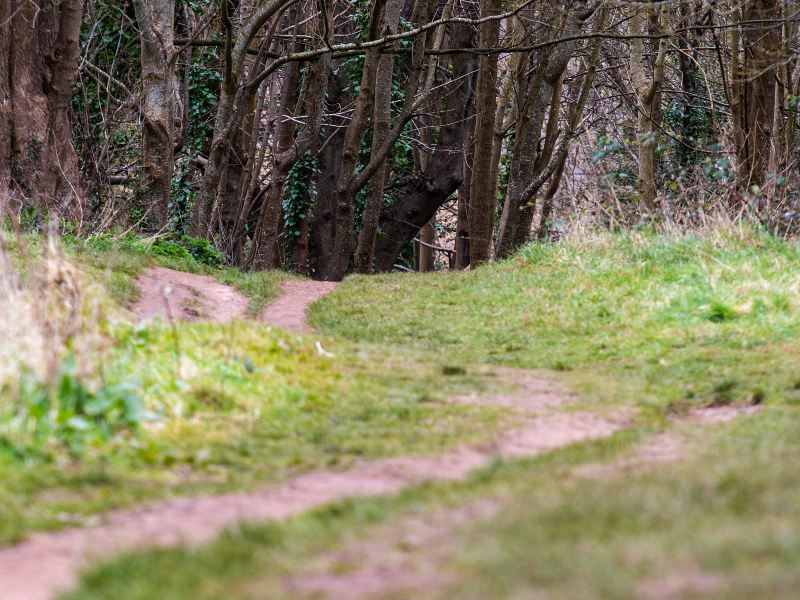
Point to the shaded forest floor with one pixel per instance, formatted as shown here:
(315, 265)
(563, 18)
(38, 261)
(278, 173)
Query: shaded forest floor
(690, 342)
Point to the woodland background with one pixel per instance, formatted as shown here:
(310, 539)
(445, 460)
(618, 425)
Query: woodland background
(328, 136)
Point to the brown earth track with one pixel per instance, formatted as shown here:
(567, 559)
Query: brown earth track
(167, 293)
(48, 563)
(289, 310)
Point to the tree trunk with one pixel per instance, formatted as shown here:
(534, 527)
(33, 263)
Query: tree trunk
(6, 107)
(345, 209)
(540, 97)
(156, 26)
(427, 235)
(382, 124)
(418, 200)
(762, 55)
(482, 193)
(39, 49)
(647, 102)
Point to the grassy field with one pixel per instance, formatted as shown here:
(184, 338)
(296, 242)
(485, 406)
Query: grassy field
(659, 321)
(219, 407)
(725, 518)
(641, 320)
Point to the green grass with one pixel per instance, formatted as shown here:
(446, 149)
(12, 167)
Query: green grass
(231, 406)
(636, 318)
(655, 321)
(247, 405)
(730, 509)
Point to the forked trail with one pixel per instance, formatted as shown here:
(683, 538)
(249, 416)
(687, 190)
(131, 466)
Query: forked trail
(47, 563)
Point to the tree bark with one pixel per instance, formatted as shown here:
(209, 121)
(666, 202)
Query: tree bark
(647, 100)
(382, 124)
(762, 55)
(39, 49)
(540, 97)
(482, 194)
(156, 29)
(419, 199)
(345, 209)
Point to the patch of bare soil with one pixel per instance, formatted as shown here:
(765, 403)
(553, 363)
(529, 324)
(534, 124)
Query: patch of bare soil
(289, 310)
(47, 563)
(665, 447)
(183, 296)
(680, 584)
(402, 559)
(720, 414)
(658, 450)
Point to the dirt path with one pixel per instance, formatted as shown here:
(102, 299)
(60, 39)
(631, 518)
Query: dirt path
(410, 556)
(47, 563)
(289, 310)
(167, 293)
(183, 296)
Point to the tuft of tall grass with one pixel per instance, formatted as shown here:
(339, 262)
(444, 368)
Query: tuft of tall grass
(54, 335)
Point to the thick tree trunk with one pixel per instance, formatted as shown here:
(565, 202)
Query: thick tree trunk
(39, 49)
(762, 55)
(419, 199)
(156, 26)
(6, 106)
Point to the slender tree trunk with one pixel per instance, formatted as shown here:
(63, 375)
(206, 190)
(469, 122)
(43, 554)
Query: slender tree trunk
(462, 216)
(382, 124)
(482, 196)
(647, 100)
(531, 160)
(228, 119)
(290, 146)
(156, 26)
(427, 235)
(345, 209)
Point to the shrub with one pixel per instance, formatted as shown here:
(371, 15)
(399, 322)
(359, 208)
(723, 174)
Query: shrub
(202, 251)
(170, 249)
